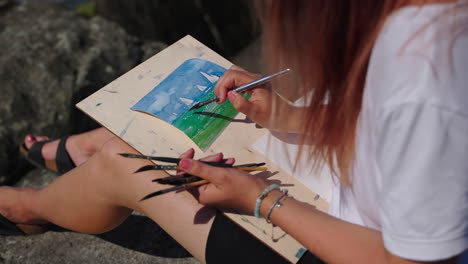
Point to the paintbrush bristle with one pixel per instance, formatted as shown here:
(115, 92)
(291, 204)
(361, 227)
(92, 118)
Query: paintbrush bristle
(195, 106)
(151, 195)
(145, 168)
(176, 188)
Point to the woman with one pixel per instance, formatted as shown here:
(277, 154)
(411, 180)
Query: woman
(387, 112)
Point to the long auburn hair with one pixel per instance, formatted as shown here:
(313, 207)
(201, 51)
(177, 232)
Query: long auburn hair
(328, 44)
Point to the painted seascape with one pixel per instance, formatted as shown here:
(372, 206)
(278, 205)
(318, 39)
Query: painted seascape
(193, 81)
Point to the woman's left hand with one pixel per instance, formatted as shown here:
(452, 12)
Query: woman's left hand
(227, 188)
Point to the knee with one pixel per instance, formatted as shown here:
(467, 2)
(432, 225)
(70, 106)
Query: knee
(116, 145)
(108, 160)
(111, 149)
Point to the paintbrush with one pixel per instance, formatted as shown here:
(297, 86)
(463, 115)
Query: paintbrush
(187, 178)
(244, 87)
(187, 181)
(170, 160)
(244, 167)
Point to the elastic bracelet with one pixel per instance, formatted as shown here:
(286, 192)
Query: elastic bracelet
(276, 204)
(262, 196)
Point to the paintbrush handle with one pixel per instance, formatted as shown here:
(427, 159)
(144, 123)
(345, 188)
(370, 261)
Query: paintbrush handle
(194, 184)
(244, 87)
(251, 168)
(187, 178)
(171, 160)
(260, 81)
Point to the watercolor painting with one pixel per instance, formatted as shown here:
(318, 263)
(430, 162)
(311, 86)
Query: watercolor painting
(191, 82)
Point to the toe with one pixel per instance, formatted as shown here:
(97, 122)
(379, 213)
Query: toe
(41, 138)
(29, 140)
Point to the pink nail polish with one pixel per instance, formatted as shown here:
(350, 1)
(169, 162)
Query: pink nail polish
(185, 164)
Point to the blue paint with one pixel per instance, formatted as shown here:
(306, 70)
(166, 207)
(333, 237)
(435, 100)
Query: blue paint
(300, 253)
(179, 91)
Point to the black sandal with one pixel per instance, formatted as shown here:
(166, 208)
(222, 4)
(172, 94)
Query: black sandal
(8, 228)
(62, 163)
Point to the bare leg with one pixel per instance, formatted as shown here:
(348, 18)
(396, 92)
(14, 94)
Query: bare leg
(101, 193)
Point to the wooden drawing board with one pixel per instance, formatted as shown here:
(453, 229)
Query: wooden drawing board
(110, 106)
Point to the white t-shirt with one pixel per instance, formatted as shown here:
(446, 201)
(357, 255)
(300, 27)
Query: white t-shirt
(410, 175)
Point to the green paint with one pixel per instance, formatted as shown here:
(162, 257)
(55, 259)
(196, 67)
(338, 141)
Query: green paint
(204, 125)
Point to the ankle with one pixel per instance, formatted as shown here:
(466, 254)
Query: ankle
(89, 142)
(80, 145)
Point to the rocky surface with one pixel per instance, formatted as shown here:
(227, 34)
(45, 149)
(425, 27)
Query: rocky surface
(225, 26)
(51, 58)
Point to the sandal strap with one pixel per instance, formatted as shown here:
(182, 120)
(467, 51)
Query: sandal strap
(63, 161)
(35, 154)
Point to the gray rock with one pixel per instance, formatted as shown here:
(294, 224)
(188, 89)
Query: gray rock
(58, 247)
(4, 3)
(51, 58)
(225, 26)
(38, 178)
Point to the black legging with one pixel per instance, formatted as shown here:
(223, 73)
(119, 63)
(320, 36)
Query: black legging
(229, 243)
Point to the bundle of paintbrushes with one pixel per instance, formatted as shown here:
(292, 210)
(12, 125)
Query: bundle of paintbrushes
(183, 181)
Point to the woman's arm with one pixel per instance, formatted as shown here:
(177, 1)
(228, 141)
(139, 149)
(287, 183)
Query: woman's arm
(331, 239)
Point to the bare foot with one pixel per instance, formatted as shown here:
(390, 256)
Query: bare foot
(78, 152)
(14, 208)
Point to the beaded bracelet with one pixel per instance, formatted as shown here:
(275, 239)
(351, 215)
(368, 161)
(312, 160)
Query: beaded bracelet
(262, 196)
(276, 204)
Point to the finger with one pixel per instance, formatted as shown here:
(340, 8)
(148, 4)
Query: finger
(224, 84)
(230, 161)
(214, 158)
(241, 104)
(188, 154)
(230, 80)
(210, 173)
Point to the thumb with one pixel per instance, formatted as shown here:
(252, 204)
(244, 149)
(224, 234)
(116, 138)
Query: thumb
(240, 103)
(207, 172)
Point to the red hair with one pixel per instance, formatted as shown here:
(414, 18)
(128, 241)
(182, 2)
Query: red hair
(328, 44)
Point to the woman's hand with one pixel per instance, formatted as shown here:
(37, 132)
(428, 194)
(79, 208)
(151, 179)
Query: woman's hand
(218, 157)
(258, 108)
(227, 188)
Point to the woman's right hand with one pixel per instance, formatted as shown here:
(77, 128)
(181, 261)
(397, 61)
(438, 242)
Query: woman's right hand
(258, 108)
